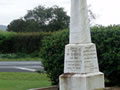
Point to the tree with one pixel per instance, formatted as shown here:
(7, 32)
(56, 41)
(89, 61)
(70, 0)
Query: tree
(41, 19)
(17, 25)
(60, 19)
(49, 19)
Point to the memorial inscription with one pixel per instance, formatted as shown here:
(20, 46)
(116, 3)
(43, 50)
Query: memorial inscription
(90, 59)
(80, 53)
(73, 59)
(81, 59)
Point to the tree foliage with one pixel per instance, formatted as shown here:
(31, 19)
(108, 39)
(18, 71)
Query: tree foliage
(41, 19)
(16, 25)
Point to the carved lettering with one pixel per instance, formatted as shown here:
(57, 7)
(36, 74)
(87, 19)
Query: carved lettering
(74, 59)
(81, 59)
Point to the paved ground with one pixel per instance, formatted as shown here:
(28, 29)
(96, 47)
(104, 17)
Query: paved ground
(21, 66)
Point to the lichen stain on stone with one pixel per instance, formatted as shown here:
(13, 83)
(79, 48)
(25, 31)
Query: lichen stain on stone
(66, 75)
(66, 80)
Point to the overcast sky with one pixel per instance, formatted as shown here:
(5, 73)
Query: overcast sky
(107, 11)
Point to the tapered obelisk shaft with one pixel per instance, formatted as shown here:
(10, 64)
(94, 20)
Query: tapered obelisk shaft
(79, 27)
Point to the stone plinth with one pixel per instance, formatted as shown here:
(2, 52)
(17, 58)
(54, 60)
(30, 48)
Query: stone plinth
(80, 58)
(89, 81)
(81, 71)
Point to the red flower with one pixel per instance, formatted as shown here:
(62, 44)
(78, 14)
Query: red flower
(54, 46)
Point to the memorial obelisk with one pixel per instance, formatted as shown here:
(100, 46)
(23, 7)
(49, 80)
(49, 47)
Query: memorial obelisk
(81, 71)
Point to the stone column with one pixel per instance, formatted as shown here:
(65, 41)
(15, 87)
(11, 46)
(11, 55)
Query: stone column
(81, 71)
(79, 27)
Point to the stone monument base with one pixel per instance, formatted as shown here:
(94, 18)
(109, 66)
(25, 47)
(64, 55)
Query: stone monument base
(81, 58)
(91, 81)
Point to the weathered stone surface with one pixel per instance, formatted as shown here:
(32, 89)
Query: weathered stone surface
(80, 58)
(109, 88)
(90, 81)
(81, 71)
(79, 26)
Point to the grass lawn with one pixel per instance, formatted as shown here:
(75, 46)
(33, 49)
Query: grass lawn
(22, 81)
(20, 59)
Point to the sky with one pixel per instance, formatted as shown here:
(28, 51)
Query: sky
(106, 11)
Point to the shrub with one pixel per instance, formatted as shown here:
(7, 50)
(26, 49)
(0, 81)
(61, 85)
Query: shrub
(28, 42)
(107, 40)
(5, 36)
(22, 43)
(6, 41)
(52, 53)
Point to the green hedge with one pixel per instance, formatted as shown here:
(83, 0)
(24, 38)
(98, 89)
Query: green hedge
(52, 53)
(107, 40)
(5, 41)
(5, 36)
(21, 42)
(28, 42)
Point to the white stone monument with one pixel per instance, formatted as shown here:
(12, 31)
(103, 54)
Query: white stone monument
(81, 71)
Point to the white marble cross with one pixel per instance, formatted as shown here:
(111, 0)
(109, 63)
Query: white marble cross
(79, 26)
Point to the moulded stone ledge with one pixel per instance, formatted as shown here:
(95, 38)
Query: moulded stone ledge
(108, 88)
(102, 89)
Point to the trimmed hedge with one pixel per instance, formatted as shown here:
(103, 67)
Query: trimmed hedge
(107, 40)
(28, 42)
(21, 42)
(52, 53)
(5, 41)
